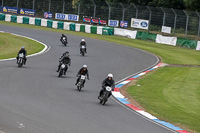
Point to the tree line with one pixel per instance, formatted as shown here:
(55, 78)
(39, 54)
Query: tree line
(193, 5)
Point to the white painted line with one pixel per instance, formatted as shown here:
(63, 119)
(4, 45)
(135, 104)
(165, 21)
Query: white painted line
(124, 82)
(147, 115)
(46, 47)
(142, 74)
(117, 94)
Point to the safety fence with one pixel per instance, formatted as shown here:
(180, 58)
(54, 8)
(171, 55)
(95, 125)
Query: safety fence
(183, 23)
(102, 30)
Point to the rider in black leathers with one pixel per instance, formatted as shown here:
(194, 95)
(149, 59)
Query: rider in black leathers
(64, 60)
(82, 71)
(83, 43)
(22, 50)
(62, 37)
(107, 82)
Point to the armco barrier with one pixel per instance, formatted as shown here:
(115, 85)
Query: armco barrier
(102, 30)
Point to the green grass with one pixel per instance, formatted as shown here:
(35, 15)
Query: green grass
(169, 54)
(11, 44)
(171, 94)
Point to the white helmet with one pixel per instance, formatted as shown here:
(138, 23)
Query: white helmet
(83, 40)
(22, 47)
(84, 66)
(110, 75)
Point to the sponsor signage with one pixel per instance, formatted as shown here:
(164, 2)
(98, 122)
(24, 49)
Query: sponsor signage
(86, 19)
(12, 10)
(114, 23)
(166, 29)
(0, 8)
(124, 24)
(27, 12)
(95, 20)
(48, 15)
(61, 16)
(102, 22)
(70, 17)
(139, 23)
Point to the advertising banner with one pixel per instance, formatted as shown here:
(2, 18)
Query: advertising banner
(12, 10)
(114, 23)
(61, 16)
(27, 12)
(72, 17)
(139, 23)
(102, 22)
(48, 15)
(166, 29)
(86, 19)
(95, 20)
(0, 8)
(124, 24)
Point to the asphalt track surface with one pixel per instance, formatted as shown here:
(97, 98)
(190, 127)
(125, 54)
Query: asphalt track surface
(35, 97)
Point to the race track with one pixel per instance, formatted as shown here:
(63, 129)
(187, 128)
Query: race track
(35, 97)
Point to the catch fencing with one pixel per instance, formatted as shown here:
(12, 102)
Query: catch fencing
(183, 23)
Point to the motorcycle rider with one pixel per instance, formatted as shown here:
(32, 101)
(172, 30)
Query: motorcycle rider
(61, 39)
(83, 43)
(107, 82)
(82, 71)
(64, 60)
(22, 50)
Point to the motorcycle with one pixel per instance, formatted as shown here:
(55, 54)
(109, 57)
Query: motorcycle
(63, 69)
(104, 97)
(64, 41)
(20, 60)
(80, 83)
(83, 50)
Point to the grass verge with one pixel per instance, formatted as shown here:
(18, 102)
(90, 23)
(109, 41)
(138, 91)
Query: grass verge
(171, 94)
(168, 54)
(11, 44)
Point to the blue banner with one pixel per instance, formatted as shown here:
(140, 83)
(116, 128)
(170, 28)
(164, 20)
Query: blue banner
(72, 17)
(12, 10)
(124, 24)
(61, 16)
(27, 12)
(0, 8)
(48, 15)
(114, 23)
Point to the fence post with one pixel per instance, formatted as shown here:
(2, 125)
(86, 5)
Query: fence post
(136, 15)
(163, 16)
(94, 8)
(33, 4)
(186, 28)
(150, 12)
(109, 10)
(63, 10)
(49, 5)
(174, 20)
(79, 4)
(199, 25)
(2, 4)
(17, 3)
(123, 11)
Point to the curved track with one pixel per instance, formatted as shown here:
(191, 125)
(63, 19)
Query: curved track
(44, 103)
